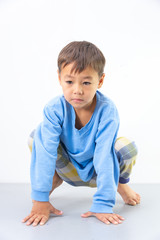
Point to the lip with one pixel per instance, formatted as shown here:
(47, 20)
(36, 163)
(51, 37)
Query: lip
(77, 100)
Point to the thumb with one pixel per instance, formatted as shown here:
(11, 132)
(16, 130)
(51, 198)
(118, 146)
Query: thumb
(87, 214)
(55, 211)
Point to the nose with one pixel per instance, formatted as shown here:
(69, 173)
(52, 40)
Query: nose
(78, 89)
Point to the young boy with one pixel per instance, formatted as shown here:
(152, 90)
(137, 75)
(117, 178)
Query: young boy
(77, 140)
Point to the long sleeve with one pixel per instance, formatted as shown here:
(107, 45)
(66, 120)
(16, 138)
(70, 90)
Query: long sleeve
(44, 152)
(106, 163)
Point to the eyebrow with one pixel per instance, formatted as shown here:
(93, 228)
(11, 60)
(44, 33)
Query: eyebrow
(68, 76)
(85, 77)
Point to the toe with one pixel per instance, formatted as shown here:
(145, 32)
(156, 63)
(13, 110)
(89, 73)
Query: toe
(138, 198)
(132, 202)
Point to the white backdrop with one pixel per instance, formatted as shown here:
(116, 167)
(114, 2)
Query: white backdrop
(32, 32)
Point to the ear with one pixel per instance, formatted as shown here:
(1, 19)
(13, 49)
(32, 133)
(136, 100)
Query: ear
(59, 76)
(101, 80)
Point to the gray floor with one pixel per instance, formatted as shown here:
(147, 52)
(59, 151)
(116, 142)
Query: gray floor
(141, 221)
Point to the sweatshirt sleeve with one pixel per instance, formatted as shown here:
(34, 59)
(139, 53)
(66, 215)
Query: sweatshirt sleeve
(106, 163)
(44, 152)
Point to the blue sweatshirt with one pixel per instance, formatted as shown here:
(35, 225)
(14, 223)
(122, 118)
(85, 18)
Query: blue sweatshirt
(91, 147)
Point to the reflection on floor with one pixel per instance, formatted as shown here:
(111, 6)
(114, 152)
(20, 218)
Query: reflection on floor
(141, 221)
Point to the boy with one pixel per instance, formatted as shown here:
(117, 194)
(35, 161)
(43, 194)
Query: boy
(81, 126)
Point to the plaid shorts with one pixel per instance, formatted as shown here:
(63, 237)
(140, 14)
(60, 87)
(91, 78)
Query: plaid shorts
(126, 152)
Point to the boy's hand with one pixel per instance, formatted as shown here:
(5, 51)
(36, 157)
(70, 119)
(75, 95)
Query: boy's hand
(40, 213)
(105, 217)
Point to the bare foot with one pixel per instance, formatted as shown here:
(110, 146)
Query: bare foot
(129, 196)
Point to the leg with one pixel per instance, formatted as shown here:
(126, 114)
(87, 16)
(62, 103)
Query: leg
(57, 181)
(126, 152)
(67, 171)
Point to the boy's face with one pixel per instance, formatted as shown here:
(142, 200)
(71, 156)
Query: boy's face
(79, 88)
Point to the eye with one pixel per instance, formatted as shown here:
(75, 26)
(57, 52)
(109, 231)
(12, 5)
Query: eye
(69, 82)
(86, 83)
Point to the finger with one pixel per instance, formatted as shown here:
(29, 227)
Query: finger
(112, 220)
(116, 218)
(58, 212)
(87, 214)
(36, 221)
(44, 220)
(55, 211)
(120, 217)
(28, 217)
(31, 220)
(103, 219)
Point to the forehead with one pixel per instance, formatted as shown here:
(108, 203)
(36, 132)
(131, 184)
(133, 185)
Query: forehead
(89, 71)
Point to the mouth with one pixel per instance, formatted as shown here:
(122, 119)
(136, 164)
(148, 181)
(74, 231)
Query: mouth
(77, 100)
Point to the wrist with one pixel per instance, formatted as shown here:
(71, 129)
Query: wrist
(40, 196)
(35, 201)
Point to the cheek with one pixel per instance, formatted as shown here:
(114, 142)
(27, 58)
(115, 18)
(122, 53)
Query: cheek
(66, 92)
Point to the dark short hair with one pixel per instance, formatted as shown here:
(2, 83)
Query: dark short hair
(83, 54)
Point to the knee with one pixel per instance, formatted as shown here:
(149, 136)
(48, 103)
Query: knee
(30, 140)
(126, 147)
(134, 148)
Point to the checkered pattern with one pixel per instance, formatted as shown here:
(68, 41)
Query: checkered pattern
(125, 150)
